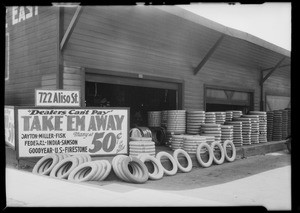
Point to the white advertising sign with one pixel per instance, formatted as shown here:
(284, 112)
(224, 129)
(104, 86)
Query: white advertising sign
(57, 98)
(97, 132)
(9, 125)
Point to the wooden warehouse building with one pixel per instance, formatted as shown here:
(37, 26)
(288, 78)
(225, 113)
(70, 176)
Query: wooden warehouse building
(142, 57)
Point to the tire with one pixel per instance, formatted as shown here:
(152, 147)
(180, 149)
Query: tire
(116, 167)
(232, 158)
(198, 156)
(47, 171)
(84, 172)
(158, 172)
(188, 158)
(170, 157)
(45, 165)
(60, 166)
(221, 160)
(131, 177)
(107, 169)
(100, 170)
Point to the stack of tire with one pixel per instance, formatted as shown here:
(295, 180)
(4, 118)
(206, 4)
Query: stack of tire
(220, 117)
(190, 143)
(78, 168)
(210, 118)
(277, 125)
(254, 128)
(246, 129)
(262, 125)
(226, 133)
(270, 115)
(237, 132)
(284, 124)
(154, 118)
(141, 145)
(237, 114)
(194, 119)
(289, 121)
(228, 115)
(164, 118)
(176, 122)
(211, 129)
(177, 142)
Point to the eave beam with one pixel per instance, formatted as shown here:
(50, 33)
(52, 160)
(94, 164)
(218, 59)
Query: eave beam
(209, 54)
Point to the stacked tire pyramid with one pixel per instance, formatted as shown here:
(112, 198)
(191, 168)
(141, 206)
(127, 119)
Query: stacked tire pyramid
(254, 128)
(210, 117)
(226, 133)
(270, 115)
(246, 129)
(228, 115)
(209, 129)
(154, 118)
(237, 132)
(262, 125)
(194, 119)
(277, 125)
(141, 145)
(190, 143)
(284, 124)
(220, 117)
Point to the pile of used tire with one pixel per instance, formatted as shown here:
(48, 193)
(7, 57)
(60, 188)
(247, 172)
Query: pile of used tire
(78, 168)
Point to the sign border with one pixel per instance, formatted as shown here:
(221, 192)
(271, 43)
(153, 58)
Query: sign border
(81, 108)
(57, 90)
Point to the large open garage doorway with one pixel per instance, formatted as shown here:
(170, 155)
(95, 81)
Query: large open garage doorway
(140, 95)
(225, 99)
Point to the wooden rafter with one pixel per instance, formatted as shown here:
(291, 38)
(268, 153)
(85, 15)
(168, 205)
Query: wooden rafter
(70, 28)
(209, 54)
(272, 70)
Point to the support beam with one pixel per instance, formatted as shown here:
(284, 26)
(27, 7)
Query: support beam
(282, 66)
(209, 54)
(70, 28)
(271, 71)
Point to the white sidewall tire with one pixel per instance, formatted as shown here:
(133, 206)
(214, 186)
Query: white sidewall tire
(82, 169)
(232, 158)
(100, 169)
(188, 158)
(222, 158)
(107, 169)
(63, 163)
(158, 172)
(210, 153)
(159, 155)
(47, 171)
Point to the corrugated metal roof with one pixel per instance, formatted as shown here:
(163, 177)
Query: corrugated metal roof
(237, 47)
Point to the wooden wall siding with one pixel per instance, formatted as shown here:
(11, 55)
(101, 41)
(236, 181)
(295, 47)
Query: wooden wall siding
(48, 81)
(33, 55)
(151, 42)
(72, 78)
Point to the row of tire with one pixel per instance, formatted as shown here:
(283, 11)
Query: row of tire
(76, 168)
(131, 169)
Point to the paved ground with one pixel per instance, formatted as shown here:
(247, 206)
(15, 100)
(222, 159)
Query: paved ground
(263, 180)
